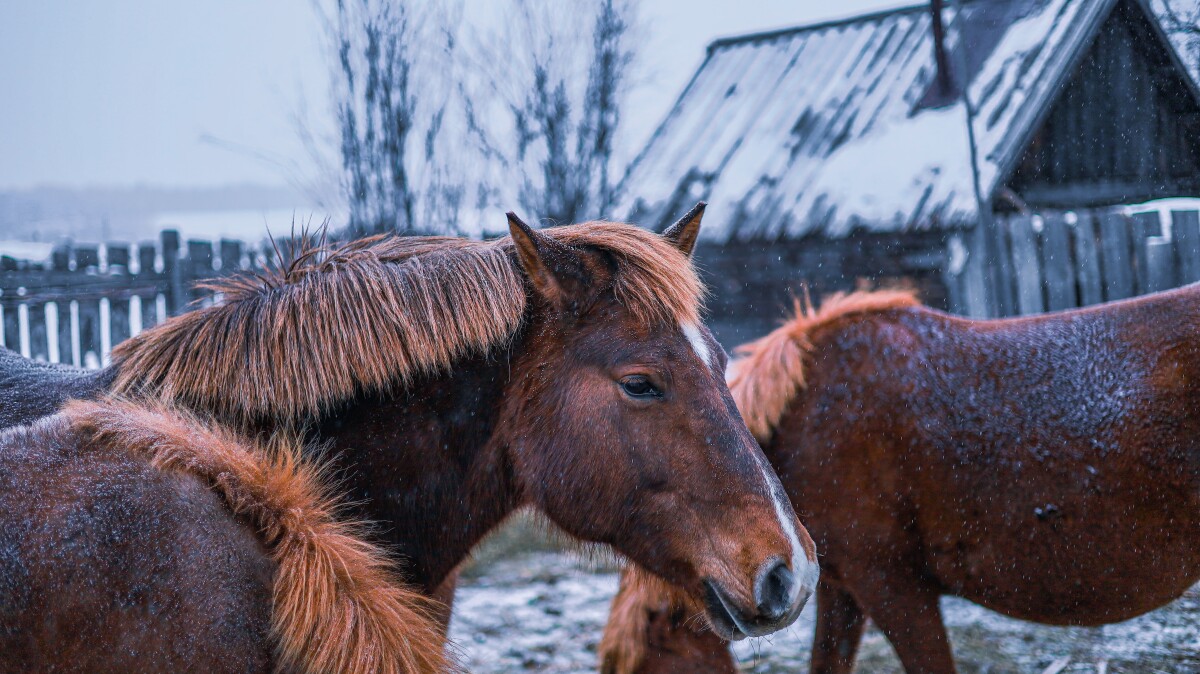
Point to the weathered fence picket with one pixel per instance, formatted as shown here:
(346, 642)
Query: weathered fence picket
(1146, 229)
(231, 254)
(1004, 295)
(12, 326)
(1116, 255)
(1185, 229)
(199, 265)
(1026, 265)
(63, 350)
(1057, 267)
(89, 332)
(39, 342)
(1160, 264)
(1087, 260)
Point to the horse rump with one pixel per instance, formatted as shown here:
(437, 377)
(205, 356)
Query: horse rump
(142, 539)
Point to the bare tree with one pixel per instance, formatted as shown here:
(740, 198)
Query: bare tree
(1183, 25)
(563, 83)
(389, 61)
(612, 58)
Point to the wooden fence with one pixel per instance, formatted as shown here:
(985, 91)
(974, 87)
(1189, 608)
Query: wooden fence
(87, 298)
(1027, 264)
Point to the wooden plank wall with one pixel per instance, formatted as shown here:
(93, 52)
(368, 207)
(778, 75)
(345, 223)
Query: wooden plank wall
(752, 283)
(1058, 260)
(87, 298)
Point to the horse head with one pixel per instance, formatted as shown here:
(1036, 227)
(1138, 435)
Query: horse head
(624, 432)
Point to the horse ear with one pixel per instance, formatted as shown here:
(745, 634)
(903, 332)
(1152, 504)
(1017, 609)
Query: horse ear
(683, 233)
(556, 271)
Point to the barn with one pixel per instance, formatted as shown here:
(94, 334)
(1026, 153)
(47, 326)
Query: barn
(903, 145)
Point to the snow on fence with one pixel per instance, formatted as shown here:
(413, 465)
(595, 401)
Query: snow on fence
(1028, 264)
(75, 306)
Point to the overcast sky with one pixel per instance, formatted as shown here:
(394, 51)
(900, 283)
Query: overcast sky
(121, 92)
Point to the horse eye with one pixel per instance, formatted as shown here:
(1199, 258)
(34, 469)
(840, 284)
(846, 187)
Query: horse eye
(637, 386)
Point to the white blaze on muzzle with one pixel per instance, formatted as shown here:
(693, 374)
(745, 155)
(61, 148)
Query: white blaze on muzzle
(807, 571)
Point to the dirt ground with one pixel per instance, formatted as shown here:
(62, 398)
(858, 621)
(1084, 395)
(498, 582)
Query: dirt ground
(544, 610)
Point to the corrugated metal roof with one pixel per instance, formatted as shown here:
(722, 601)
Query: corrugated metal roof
(821, 128)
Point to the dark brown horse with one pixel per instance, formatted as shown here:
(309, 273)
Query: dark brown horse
(1046, 467)
(135, 538)
(455, 382)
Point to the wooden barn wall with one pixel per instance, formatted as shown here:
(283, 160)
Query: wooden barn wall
(752, 283)
(1125, 128)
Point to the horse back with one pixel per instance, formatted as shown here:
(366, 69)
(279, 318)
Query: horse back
(108, 564)
(1116, 380)
(1039, 466)
(1115, 384)
(30, 389)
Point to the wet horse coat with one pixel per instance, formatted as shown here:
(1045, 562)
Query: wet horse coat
(1046, 467)
(456, 381)
(142, 539)
(30, 390)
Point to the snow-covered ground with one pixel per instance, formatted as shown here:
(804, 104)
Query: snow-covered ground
(544, 611)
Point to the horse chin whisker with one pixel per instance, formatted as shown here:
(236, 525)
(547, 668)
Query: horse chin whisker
(699, 622)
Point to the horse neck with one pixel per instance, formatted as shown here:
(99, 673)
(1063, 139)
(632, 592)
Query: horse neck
(429, 465)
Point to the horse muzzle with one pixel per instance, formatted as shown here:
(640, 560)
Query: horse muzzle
(779, 596)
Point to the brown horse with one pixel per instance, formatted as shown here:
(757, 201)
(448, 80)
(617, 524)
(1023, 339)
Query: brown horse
(456, 381)
(1045, 467)
(134, 536)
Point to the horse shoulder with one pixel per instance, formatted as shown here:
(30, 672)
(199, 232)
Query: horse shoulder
(841, 446)
(871, 357)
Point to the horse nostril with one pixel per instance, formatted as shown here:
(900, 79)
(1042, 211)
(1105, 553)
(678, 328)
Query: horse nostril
(773, 590)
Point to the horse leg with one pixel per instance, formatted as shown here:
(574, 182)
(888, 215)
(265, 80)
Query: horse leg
(444, 596)
(840, 625)
(908, 614)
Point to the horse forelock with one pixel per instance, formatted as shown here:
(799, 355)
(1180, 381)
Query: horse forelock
(770, 370)
(655, 282)
(374, 314)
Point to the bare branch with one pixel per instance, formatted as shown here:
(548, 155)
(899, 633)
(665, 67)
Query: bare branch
(387, 133)
(561, 86)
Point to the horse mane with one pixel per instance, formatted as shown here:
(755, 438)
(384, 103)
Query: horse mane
(770, 370)
(338, 605)
(373, 314)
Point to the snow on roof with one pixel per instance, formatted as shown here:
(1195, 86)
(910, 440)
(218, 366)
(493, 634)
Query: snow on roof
(823, 128)
(1018, 83)
(883, 195)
